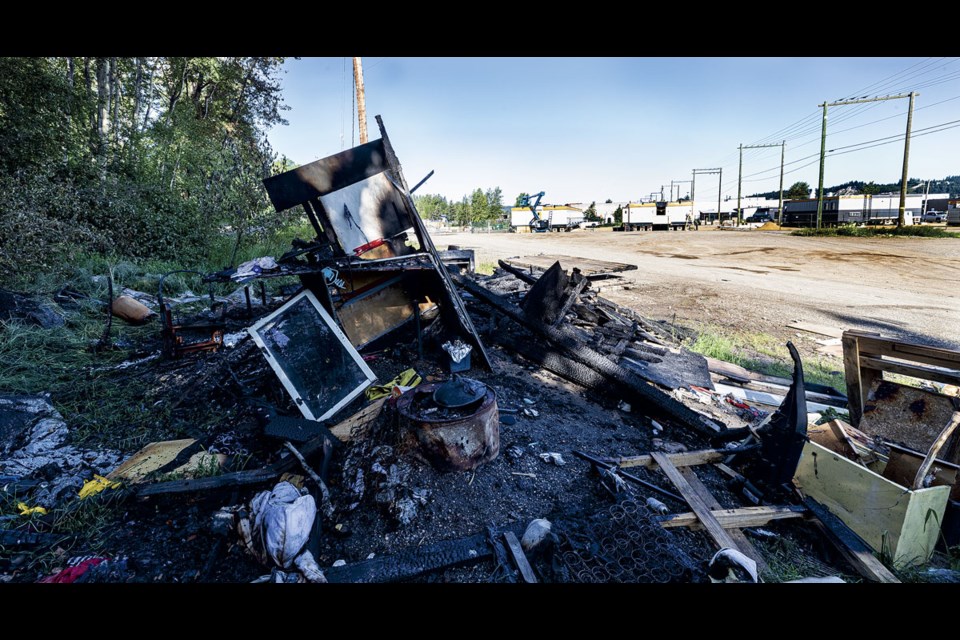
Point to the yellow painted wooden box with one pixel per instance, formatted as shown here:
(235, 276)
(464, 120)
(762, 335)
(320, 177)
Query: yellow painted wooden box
(900, 523)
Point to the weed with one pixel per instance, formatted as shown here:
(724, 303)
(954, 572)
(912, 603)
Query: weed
(486, 268)
(759, 352)
(877, 232)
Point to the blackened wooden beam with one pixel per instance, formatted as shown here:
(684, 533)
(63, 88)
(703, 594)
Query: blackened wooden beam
(629, 384)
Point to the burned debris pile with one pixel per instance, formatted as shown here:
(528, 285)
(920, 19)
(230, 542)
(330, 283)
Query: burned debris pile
(394, 416)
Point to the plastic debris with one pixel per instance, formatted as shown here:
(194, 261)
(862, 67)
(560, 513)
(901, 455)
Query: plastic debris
(26, 510)
(457, 349)
(656, 506)
(282, 522)
(729, 565)
(254, 267)
(554, 458)
(536, 532)
(403, 382)
(78, 566)
(530, 413)
(95, 486)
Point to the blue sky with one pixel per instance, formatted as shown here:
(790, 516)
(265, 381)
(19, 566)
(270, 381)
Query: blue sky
(584, 129)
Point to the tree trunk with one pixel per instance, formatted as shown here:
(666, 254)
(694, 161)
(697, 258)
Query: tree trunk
(149, 98)
(114, 99)
(103, 95)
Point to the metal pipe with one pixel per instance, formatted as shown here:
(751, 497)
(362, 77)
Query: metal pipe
(628, 476)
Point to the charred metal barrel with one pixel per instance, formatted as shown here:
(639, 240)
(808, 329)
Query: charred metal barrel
(458, 439)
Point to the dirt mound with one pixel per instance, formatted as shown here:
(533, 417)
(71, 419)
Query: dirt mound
(769, 226)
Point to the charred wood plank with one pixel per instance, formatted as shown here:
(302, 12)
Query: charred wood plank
(417, 561)
(857, 552)
(628, 383)
(519, 273)
(543, 301)
(234, 479)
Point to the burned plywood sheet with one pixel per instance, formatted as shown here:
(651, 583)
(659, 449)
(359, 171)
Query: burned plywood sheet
(674, 369)
(376, 312)
(313, 358)
(587, 266)
(909, 416)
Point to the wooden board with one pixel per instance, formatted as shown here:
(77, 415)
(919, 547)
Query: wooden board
(891, 519)
(819, 329)
(587, 266)
(516, 551)
(738, 537)
(365, 416)
(150, 458)
(735, 518)
(903, 464)
(371, 315)
(720, 535)
(849, 544)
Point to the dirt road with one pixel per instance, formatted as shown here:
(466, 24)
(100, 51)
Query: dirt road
(758, 281)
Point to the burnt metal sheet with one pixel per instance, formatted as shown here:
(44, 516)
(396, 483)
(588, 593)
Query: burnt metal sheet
(313, 358)
(323, 176)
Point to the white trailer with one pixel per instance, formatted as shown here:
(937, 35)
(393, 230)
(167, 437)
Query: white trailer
(646, 216)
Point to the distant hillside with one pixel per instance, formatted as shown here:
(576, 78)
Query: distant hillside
(950, 184)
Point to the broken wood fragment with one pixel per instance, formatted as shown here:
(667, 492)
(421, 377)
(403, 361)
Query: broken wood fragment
(696, 502)
(849, 544)
(735, 518)
(634, 388)
(519, 558)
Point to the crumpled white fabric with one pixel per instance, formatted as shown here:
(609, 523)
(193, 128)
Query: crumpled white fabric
(282, 520)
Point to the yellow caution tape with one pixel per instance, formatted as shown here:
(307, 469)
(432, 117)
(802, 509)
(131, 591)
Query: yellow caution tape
(95, 486)
(29, 511)
(409, 379)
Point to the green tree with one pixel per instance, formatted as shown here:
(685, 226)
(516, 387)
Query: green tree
(520, 199)
(798, 190)
(479, 209)
(618, 215)
(871, 188)
(590, 214)
(494, 203)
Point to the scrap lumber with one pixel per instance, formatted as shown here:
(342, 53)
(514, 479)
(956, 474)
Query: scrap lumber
(935, 449)
(233, 479)
(519, 273)
(696, 502)
(735, 518)
(519, 558)
(628, 383)
(849, 544)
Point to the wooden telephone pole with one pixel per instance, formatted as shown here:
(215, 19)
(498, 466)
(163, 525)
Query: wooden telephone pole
(361, 103)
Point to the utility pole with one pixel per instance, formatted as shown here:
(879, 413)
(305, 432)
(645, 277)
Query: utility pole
(901, 215)
(740, 177)
(693, 186)
(783, 150)
(906, 148)
(361, 101)
(678, 183)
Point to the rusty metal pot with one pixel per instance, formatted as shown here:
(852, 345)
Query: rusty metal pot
(452, 440)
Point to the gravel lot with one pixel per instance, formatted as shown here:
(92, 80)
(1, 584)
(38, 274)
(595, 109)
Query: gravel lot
(759, 281)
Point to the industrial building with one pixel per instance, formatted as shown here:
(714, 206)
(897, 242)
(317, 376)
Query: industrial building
(564, 215)
(859, 209)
